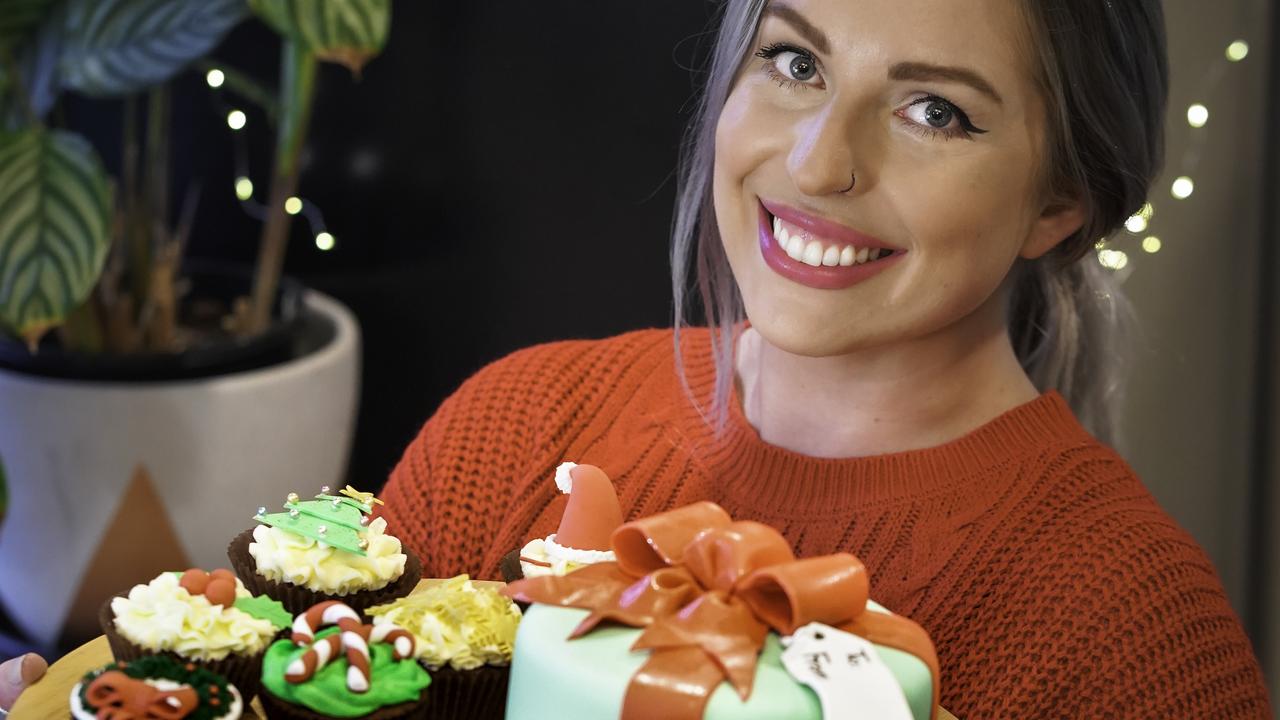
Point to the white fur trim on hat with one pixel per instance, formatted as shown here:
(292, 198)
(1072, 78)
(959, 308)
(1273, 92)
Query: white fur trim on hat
(563, 480)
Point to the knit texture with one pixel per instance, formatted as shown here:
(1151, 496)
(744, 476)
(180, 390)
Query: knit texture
(1050, 581)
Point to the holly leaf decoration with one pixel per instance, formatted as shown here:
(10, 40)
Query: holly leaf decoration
(265, 608)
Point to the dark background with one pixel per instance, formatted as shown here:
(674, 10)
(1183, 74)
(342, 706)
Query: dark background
(501, 175)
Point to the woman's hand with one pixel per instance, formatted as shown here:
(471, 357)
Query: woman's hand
(17, 675)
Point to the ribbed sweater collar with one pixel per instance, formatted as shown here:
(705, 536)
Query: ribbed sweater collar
(775, 479)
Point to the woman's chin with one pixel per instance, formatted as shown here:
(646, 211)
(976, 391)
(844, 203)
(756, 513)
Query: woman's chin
(807, 338)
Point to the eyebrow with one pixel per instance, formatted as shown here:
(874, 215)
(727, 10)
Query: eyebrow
(917, 71)
(801, 25)
(925, 71)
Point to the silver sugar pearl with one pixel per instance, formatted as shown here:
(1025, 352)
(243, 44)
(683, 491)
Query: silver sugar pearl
(324, 489)
(364, 519)
(294, 513)
(262, 509)
(322, 529)
(337, 502)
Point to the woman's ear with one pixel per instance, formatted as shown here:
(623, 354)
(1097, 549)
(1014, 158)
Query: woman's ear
(1056, 223)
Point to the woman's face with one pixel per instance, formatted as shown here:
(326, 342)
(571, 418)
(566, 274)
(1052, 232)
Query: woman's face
(929, 109)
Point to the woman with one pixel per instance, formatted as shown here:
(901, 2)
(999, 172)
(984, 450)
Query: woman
(900, 197)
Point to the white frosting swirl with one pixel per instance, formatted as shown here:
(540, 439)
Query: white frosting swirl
(562, 560)
(284, 556)
(162, 615)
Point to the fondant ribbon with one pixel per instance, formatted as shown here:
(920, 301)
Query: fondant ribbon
(120, 697)
(707, 590)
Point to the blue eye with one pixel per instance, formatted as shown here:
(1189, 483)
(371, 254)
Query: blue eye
(790, 65)
(933, 115)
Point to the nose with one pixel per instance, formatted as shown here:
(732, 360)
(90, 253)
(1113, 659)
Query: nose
(822, 161)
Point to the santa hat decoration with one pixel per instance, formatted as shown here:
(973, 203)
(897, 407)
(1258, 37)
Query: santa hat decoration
(593, 512)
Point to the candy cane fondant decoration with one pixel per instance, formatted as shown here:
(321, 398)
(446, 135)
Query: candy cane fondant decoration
(352, 639)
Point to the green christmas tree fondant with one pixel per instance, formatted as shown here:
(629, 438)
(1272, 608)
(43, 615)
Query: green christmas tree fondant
(336, 520)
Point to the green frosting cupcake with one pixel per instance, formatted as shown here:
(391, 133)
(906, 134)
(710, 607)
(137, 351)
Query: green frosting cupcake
(391, 681)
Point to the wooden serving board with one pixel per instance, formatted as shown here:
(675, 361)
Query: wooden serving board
(49, 699)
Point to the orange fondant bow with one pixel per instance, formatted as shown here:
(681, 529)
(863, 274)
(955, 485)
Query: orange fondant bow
(120, 697)
(707, 590)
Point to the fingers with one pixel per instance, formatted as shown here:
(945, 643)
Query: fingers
(17, 674)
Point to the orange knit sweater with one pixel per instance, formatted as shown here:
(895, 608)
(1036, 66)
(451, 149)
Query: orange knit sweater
(1050, 581)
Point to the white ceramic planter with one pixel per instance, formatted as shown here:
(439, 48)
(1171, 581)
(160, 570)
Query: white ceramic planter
(215, 449)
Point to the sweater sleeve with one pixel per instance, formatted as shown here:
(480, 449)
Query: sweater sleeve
(477, 477)
(1172, 645)
(443, 498)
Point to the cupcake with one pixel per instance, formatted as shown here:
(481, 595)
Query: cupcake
(582, 539)
(328, 548)
(207, 619)
(463, 634)
(335, 666)
(155, 686)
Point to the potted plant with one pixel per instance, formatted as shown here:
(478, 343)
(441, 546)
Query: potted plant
(148, 406)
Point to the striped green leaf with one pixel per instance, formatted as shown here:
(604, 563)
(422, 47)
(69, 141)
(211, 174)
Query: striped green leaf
(18, 18)
(117, 47)
(55, 206)
(350, 32)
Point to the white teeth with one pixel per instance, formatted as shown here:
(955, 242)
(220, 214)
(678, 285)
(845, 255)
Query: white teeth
(831, 257)
(874, 254)
(847, 256)
(777, 227)
(781, 236)
(795, 248)
(862, 255)
(813, 253)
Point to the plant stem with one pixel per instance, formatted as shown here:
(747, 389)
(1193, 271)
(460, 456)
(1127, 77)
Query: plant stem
(297, 89)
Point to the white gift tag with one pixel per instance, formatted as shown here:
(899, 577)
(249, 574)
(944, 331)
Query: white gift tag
(846, 672)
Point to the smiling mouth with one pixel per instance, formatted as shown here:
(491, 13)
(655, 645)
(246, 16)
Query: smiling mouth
(804, 246)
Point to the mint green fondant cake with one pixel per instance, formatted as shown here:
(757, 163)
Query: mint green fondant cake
(553, 678)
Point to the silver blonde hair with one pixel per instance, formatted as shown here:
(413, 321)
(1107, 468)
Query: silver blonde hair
(1102, 70)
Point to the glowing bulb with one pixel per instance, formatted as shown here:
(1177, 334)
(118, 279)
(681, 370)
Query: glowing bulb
(1113, 259)
(1237, 51)
(244, 188)
(293, 206)
(1152, 244)
(215, 78)
(1197, 115)
(1183, 187)
(324, 241)
(236, 119)
(1135, 224)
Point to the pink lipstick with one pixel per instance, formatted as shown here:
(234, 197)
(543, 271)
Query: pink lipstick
(827, 276)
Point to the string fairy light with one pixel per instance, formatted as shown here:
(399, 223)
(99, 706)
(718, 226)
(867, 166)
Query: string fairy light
(1182, 187)
(237, 119)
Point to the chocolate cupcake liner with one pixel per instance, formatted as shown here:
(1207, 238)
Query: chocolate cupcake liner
(281, 709)
(297, 599)
(510, 568)
(479, 694)
(243, 671)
